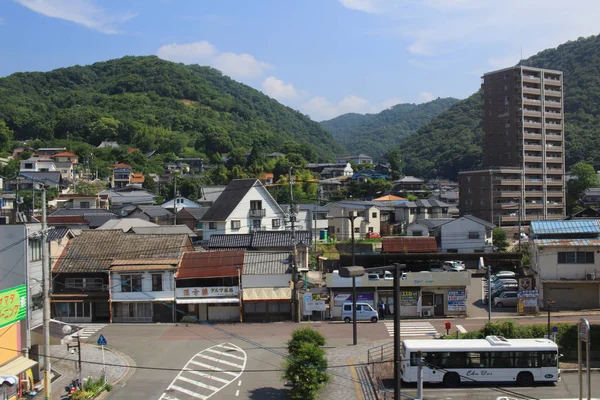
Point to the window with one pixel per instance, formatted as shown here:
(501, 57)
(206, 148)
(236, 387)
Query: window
(256, 223)
(347, 307)
(276, 223)
(157, 283)
(374, 215)
(131, 283)
(256, 204)
(572, 257)
(35, 249)
(370, 229)
(84, 204)
(72, 310)
(356, 230)
(212, 225)
(413, 211)
(473, 235)
(236, 224)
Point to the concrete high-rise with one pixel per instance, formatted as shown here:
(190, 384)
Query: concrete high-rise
(523, 149)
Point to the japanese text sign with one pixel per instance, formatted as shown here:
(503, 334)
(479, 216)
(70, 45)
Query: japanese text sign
(13, 305)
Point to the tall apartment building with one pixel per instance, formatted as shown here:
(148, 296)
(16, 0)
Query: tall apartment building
(523, 149)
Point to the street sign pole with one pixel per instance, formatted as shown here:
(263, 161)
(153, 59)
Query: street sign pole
(583, 335)
(102, 342)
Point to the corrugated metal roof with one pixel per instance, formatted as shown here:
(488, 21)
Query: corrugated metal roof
(56, 233)
(409, 245)
(568, 242)
(565, 227)
(267, 263)
(210, 264)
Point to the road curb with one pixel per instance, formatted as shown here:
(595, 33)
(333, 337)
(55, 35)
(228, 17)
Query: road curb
(572, 370)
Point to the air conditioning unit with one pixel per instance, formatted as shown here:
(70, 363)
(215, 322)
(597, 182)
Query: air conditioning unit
(427, 313)
(591, 277)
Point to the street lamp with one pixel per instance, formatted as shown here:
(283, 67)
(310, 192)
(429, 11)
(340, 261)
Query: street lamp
(550, 303)
(353, 272)
(72, 348)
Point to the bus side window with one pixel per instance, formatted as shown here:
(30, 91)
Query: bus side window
(473, 360)
(548, 359)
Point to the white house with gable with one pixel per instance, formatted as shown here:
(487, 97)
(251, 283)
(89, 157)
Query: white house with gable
(244, 206)
(466, 234)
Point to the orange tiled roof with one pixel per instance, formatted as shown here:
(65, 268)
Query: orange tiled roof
(389, 197)
(64, 154)
(210, 264)
(137, 178)
(122, 165)
(132, 150)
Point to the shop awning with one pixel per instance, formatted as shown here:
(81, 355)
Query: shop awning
(17, 366)
(145, 300)
(205, 300)
(263, 294)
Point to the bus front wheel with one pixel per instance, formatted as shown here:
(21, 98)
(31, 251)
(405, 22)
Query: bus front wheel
(451, 379)
(525, 379)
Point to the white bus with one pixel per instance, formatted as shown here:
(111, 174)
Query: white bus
(493, 359)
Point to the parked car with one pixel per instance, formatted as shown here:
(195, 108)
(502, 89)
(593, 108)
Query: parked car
(373, 276)
(453, 265)
(495, 293)
(364, 312)
(373, 235)
(502, 282)
(506, 299)
(503, 275)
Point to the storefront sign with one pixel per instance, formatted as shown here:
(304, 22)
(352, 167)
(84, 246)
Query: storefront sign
(457, 300)
(409, 298)
(13, 305)
(216, 291)
(312, 303)
(341, 298)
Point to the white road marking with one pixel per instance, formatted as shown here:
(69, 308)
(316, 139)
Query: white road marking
(237, 393)
(88, 330)
(196, 381)
(412, 328)
(461, 329)
(240, 382)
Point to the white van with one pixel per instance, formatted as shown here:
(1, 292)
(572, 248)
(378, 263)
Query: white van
(364, 312)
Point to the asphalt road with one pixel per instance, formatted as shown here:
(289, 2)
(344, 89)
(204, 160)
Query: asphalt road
(567, 388)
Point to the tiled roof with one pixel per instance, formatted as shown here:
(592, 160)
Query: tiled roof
(267, 263)
(96, 216)
(207, 264)
(137, 178)
(422, 203)
(409, 245)
(132, 150)
(94, 251)
(281, 239)
(234, 241)
(229, 199)
(155, 211)
(582, 226)
(64, 154)
(66, 220)
(56, 233)
(122, 165)
(196, 212)
(389, 197)
(362, 205)
(163, 230)
(149, 264)
(568, 242)
(479, 221)
(434, 222)
(125, 224)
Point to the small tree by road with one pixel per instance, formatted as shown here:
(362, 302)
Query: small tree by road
(499, 239)
(306, 367)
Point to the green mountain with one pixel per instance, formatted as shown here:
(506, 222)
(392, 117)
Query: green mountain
(452, 141)
(159, 105)
(374, 134)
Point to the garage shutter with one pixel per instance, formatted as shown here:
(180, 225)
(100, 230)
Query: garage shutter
(572, 296)
(224, 313)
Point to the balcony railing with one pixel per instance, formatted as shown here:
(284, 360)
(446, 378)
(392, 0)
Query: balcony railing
(258, 213)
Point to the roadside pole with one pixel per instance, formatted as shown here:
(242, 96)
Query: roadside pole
(489, 283)
(420, 376)
(46, 305)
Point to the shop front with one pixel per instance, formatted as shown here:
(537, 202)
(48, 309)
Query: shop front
(219, 303)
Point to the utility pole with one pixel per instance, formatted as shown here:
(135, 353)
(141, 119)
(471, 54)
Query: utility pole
(174, 201)
(420, 376)
(79, 360)
(46, 291)
(489, 274)
(397, 338)
(296, 312)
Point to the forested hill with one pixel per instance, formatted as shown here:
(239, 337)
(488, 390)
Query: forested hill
(452, 142)
(159, 105)
(375, 134)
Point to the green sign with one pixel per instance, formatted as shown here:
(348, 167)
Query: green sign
(13, 305)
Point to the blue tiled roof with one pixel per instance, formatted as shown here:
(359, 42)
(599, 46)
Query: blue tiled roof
(565, 227)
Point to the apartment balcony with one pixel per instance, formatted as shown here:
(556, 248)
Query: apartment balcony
(553, 100)
(531, 124)
(552, 81)
(530, 79)
(556, 162)
(534, 193)
(531, 101)
(533, 136)
(555, 205)
(555, 216)
(533, 182)
(553, 137)
(506, 206)
(533, 159)
(552, 91)
(554, 182)
(554, 148)
(508, 193)
(554, 171)
(548, 114)
(509, 218)
(531, 90)
(532, 113)
(554, 125)
(533, 170)
(258, 213)
(512, 182)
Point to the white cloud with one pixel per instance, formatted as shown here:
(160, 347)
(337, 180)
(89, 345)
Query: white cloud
(425, 97)
(1, 20)
(320, 108)
(279, 90)
(419, 47)
(82, 12)
(369, 6)
(235, 65)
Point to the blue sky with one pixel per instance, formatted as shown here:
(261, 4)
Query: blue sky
(321, 57)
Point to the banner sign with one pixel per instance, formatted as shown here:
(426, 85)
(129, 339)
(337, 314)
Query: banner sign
(216, 291)
(457, 300)
(13, 305)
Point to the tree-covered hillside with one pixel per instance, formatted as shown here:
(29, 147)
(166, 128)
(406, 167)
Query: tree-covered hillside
(155, 105)
(374, 134)
(452, 141)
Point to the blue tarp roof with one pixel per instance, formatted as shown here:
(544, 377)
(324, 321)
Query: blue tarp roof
(565, 227)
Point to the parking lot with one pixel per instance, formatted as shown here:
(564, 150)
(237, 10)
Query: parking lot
(475, 306)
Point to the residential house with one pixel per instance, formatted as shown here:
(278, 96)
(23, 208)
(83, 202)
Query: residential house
(95, 216)
(32, 179)
(448, 197)
(368, 174)
(356, 159)
(65, 156)
(129, 196)
(108, 144)
(590, 197)
(121, 175)
(329, 188)
(409, 184)
(36, 164)
(267, 178)
(383, 168)
(365, 216)
(210, 194)
(7, 208)
(191, 217)
(565, 262)
(77, 222)
(266, 281)
(143, 290)
(244, 206)
(81, 275)
(207, 285)
(265, 241)
(164, 230)
(66, 169)
(586, 213)
(125, 224)
(313, 218)
(426, 227)
(194, 165)
(390, 197)
(72, 200)
(48, 152)
(275, 154)
(156, 214)
(178, 203)
(467, 234)
(417, 229)
(409, 211)
(137, 178)
(333, 170)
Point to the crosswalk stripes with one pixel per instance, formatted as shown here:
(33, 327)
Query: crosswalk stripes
(87, 330)
(207, 373)
(412, 329)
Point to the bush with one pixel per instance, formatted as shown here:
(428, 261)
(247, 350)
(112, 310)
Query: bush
(304, 335)
(307, 371)
(306, 367)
